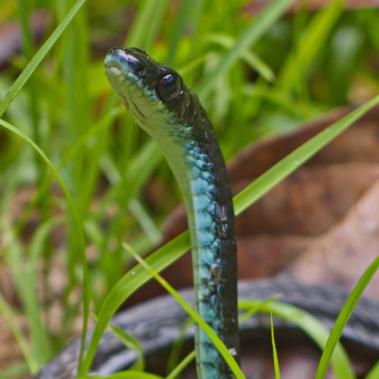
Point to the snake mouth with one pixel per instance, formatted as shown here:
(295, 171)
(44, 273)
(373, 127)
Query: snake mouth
(122, 68)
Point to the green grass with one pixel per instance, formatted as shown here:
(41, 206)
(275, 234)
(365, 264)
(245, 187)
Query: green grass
(131, 343)
(230, 360)
(84, 164)
(344, 317)
(275, 357)
(314, 328)
(169, 253)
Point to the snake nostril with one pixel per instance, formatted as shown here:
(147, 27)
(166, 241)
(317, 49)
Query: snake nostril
(123, 60)
(134, 63)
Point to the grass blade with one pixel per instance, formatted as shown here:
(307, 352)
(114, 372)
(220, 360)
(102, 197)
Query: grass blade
(252, 33)
(294, 160)
(131, 343)
(223, 350)
(16, 371)
(374, 372)
(126, 286)
(182, 18)
(314, 328)
(15, 88)
(312, 41)
(182, 365)
(252, 59)
(275, 358)
(10, 319)
(75, 220)
(151, 13)
(344, 317)
(24, 274)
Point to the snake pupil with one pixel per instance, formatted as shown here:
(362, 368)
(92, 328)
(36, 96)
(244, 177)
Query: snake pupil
(169, 87)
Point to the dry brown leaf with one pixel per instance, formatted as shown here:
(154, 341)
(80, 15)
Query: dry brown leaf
(310, 201)
(342, 254)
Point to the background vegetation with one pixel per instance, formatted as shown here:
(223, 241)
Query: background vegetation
(259, 72)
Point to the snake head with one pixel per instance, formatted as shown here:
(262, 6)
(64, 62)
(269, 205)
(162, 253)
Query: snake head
(154, 93)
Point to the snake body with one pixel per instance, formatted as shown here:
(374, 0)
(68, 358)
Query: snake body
(174, 117)
(172, 114)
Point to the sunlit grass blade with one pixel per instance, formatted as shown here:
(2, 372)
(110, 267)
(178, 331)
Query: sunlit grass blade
(275, 358)
(312, 41)
(344, 317)
(69, 155)
(74, 220)
(93, 132)
(40, 337)
(151, 13)
(131, 343)
(126, 286)
(252, 33)
(15, 88)
(294, 160)
(145, 221)
(252, 59)
(25, 278)
(182, 365)
(24, 8)
(155, 23)
(141, 166)
(136, 36)
(181, 20)
(137, 173)
(314, 328)
(24, 11)
(223, 350)
(374, 372)
(78, 118)
(174, 249)
(10, 318)
(193, 64)
(254, 310)
(15, 371)
(177, 347)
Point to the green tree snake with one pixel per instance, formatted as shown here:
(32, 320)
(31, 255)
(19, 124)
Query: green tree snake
(172, 114)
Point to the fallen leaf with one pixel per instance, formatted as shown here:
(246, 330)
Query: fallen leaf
(341, 255)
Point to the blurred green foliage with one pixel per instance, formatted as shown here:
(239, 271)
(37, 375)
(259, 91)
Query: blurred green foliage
(257, 75)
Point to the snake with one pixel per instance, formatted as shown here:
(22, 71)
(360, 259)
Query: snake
(173, 116)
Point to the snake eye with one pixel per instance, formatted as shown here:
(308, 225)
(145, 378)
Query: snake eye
(169, 87)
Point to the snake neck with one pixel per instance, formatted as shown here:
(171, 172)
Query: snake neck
(198, 165)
